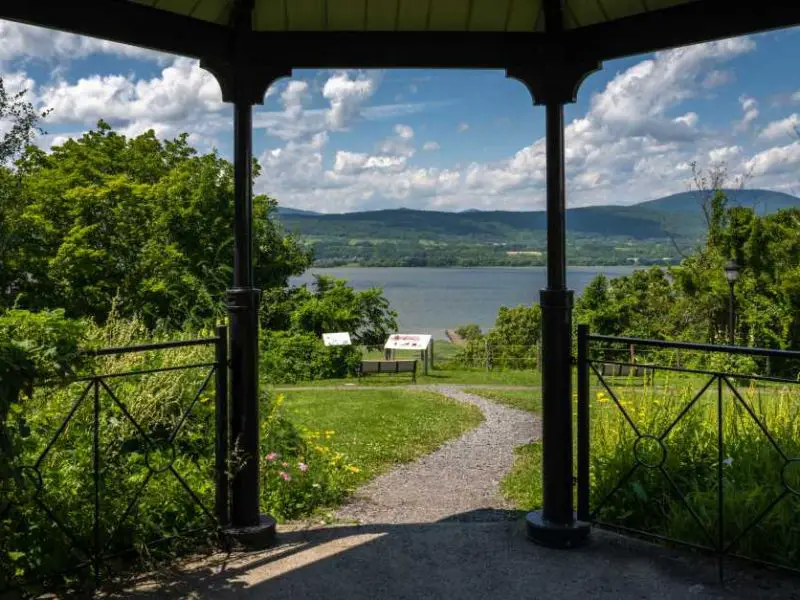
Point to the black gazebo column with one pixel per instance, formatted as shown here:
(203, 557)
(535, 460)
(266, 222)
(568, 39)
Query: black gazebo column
(244, 85)
(554, 82)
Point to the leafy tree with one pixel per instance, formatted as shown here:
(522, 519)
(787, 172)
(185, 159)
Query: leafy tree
(470, 331)
(145, 222)
(330, 305)
(19, 122)
(512, 343)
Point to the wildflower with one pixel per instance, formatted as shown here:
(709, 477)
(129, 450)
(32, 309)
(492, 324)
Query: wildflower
(272, 456)
(285, 476)
(353, 469)
(321, 449)
(303, 467)
(728, 461)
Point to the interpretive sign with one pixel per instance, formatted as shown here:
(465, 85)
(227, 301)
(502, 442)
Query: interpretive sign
(336, 339)
(407, 341)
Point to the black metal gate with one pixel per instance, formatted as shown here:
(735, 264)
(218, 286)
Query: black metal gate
(99, 529)
(719, 526)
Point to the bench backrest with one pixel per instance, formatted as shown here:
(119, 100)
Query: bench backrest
(388, 366)
(625, 370)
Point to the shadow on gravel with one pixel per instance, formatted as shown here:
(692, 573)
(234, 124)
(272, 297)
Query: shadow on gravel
(478, 555)
(485, 515)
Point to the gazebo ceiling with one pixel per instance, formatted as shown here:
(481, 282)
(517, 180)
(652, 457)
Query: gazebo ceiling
(412, 15)
(407, 33)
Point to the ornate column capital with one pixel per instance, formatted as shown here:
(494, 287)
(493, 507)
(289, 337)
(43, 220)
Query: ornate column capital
(242, 82)
(554, 77)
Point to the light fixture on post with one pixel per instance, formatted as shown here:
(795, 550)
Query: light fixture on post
(732, 275)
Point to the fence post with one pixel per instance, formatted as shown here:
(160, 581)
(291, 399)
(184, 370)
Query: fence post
(583, 422)
(222, 428)
(488, 358)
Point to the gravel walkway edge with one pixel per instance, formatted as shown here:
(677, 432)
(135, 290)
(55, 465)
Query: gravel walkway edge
(459, 480)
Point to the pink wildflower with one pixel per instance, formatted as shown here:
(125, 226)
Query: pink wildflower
(272, 456)
(303, 467)
(285, 476)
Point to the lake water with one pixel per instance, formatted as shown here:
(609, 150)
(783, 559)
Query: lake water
(430, 300)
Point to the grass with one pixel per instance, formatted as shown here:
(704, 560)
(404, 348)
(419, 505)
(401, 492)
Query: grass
(648, 501)
(445, 374)
(751, 466)
(523, 484)
(376, 429)
(529, 399)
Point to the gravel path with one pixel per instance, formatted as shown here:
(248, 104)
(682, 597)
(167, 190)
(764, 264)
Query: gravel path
(461, 476)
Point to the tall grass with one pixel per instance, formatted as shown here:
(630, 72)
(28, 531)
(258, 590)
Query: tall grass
(47, 515)
(753, 469)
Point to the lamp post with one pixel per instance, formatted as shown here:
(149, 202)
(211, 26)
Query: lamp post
(731, 274)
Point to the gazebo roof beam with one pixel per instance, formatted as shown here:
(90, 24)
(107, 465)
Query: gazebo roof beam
(691, 23)
(141, 25)
(406, 49)
(124, 22)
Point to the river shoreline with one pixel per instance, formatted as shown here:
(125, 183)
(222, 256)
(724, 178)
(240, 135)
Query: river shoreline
(432, 299)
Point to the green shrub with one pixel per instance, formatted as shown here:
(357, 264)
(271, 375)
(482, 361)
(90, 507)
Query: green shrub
(53, 467)
(290, 357)
(470, 331)
(32, 346)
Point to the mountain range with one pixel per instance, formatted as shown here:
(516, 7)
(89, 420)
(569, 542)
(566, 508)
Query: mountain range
(653, 232)
(676, 215)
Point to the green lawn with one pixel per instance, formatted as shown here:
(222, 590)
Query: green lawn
(529, 399)
(440, 375)
(523, 484)
(375, 429)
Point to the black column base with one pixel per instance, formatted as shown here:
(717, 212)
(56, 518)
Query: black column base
(254, 537)
(555, 535)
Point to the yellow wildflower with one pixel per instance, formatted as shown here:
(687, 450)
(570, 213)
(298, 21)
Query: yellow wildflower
(353, 469)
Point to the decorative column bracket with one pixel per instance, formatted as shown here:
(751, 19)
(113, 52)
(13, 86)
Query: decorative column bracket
(241, 82)
(553, 80)
(553, 77)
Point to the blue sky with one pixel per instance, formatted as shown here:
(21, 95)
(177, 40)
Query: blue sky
(337, 141)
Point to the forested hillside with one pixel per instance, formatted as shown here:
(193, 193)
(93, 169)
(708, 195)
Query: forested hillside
(653, 232)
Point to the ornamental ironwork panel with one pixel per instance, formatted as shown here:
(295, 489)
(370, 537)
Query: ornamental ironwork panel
(691, 458)
(115, 477)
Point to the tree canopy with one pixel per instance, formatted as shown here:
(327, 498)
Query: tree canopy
(136, 222)
(691, 301)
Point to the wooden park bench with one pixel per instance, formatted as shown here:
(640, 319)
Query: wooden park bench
(376, 367)
(618, 370)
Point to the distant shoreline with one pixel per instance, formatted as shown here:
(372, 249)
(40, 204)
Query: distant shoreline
(455, 267)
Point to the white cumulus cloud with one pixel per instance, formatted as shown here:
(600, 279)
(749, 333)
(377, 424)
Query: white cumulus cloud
(781, 129)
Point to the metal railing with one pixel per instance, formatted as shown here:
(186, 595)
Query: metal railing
(650, 451)
(94, 538)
